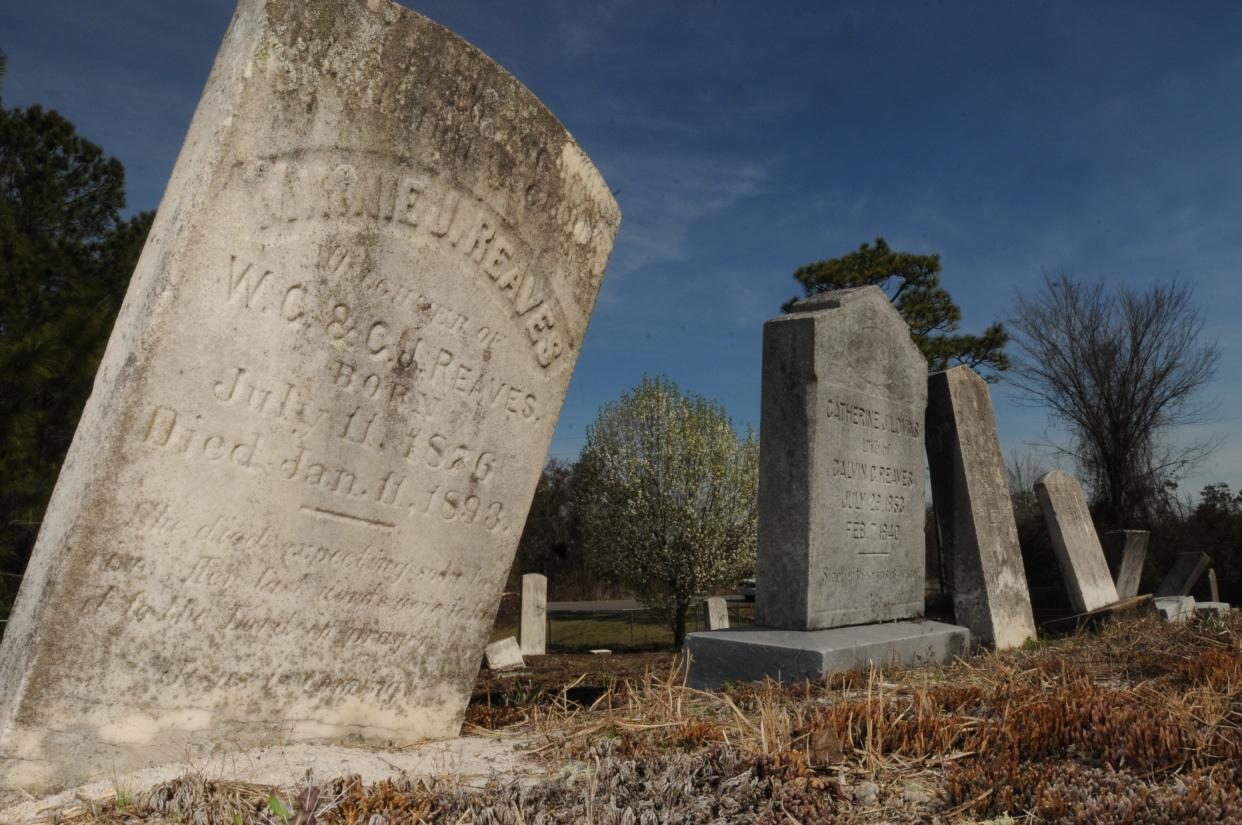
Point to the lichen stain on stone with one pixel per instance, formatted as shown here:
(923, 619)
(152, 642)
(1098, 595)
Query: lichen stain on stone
(377, 73)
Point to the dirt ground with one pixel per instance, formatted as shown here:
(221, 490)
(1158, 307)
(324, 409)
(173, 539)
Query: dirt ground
(568, 678)
(1140, 722)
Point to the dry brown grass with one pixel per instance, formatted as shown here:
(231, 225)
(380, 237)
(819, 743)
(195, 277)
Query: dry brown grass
(1141, 722)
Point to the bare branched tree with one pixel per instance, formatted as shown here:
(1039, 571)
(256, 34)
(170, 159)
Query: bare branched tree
(1119, 368)
(1022, 469)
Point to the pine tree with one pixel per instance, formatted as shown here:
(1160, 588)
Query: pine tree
(912, 283)
(66, 255)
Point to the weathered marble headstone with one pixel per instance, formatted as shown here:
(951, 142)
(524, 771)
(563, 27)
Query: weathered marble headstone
(505, 654)
(534, 622)
(1126, 550)
(296, 491)
(974, 510)
(1075, 542)
(715, 613)
(1207, 590)
(1184, 575)
(840, 465)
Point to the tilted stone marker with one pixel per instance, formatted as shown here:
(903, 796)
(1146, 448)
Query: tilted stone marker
(1077, 546)
(840, 465)
(1126, 550)
(1094, 619)
(505, 654)
(840, 501)
(715, 613)
(534, 622)
(1075, 542)
(974, 510)
(1207, 590)
(297, 488)
(1184, 575)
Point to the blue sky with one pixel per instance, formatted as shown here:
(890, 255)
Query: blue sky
(745, 139)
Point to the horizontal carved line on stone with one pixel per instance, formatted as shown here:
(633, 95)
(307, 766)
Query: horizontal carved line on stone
(347, 517)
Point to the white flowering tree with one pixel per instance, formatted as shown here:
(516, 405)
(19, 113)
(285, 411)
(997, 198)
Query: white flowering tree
(668, 497)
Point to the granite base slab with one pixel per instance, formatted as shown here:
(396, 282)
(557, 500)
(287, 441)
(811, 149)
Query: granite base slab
(750, 654)
(1176, 608)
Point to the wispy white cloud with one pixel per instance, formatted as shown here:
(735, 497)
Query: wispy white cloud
(663, 197)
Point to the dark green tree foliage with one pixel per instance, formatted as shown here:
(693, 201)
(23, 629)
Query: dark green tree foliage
(551, 535)
(552, 542)
(1213, 526)
(66, 256)
(913, 285)
(1218, 519)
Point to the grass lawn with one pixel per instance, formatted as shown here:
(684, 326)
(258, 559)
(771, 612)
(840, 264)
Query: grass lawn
(624, 630)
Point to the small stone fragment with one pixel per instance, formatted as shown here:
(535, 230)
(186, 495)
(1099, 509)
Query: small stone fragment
(504, 655)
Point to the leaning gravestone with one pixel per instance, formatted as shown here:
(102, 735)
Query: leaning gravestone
(1077, 547)
(1184, 575)
(974, 510)
(840, 500)
(297, 488)
(1126, 550)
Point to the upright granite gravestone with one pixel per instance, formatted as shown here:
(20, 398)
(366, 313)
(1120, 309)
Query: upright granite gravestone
(974, 510)
(534, 622)
(840, 465)
(1075, 542)
(1125, 551)
(840, 501)
(295, 493)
